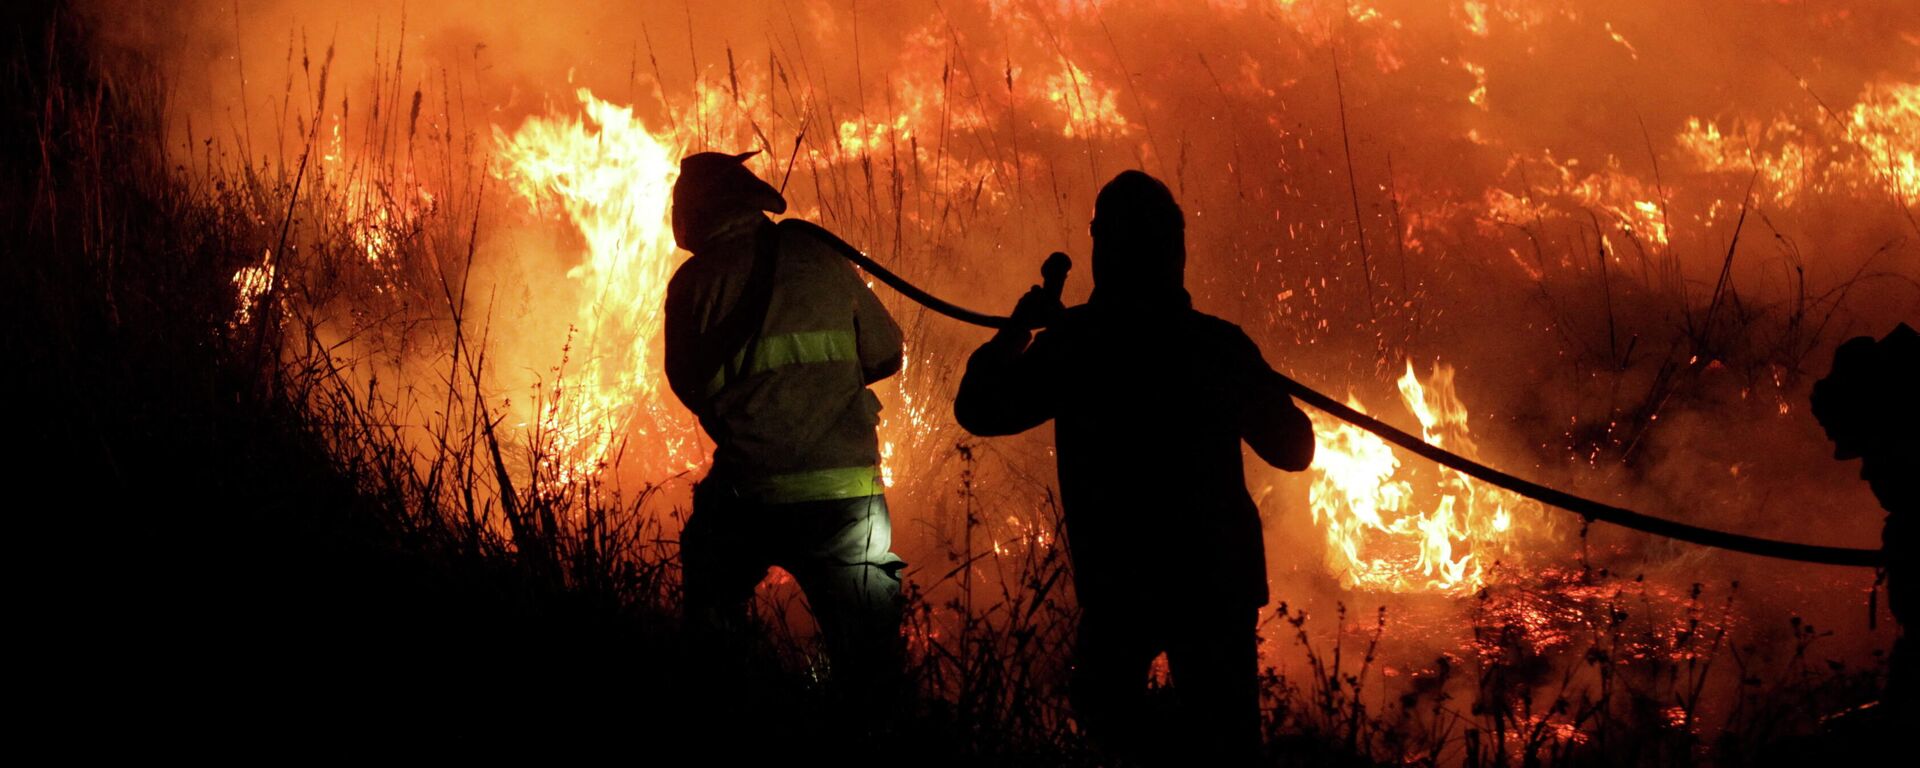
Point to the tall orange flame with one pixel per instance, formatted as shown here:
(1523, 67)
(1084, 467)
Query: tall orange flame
(611, 179)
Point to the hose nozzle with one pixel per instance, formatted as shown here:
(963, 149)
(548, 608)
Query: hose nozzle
(1053, 273)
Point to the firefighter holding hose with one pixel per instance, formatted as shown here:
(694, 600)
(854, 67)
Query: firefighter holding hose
(1869, 410)
(1151, 401)
(772, 341)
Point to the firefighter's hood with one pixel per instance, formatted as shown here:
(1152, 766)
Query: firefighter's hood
(714, 189)
(1139, 245)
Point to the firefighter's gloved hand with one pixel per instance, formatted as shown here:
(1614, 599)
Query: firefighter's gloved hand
(1039, 308)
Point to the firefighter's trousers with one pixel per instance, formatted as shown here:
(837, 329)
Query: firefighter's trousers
(838, 550)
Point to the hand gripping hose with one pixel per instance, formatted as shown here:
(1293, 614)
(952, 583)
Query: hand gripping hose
(1055, 275)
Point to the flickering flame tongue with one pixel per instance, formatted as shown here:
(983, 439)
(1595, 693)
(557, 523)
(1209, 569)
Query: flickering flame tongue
(611, 179)
(1431, 531)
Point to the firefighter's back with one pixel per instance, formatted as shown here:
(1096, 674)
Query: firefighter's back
(789, 397)
(1149, 435)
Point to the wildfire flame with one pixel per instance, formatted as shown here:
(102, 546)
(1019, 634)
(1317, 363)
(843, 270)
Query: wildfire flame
(1386, 533)
(1873, 148)
(957, 150)
(611, 179)
(249, 283)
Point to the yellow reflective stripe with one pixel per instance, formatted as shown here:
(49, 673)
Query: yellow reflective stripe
(815, 485)
(789, 349)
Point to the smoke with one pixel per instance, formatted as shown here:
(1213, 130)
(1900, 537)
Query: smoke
(1636, 228)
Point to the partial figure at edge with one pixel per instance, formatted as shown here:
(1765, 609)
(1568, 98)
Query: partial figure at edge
(1869, 405)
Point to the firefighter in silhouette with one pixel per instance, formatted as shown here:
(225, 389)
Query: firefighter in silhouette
(772, 340)
(1870, 410)
(1151, 400)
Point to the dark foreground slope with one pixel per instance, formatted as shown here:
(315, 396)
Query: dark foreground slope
(191, 565)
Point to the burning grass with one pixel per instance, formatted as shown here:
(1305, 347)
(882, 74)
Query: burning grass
(382, 366)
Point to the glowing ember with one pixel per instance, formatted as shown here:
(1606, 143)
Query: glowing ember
(249, 283)
(1383, 532)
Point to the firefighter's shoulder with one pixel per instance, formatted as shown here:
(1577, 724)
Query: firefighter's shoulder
(1221, 336)
(691, 277)
(809, 246)
(800, 234)
(1213, 327)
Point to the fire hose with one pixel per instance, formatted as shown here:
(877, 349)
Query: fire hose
(1054, 273)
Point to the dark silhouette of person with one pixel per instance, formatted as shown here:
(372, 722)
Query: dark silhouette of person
(1151, 400)
(1869, 405)
(771, 340)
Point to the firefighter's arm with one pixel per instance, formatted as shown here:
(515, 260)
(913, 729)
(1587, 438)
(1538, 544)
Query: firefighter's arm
(1007, 388)
(876, 335)
(682, 346)
(1279, 432)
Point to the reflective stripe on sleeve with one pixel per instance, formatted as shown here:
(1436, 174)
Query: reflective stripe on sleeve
(788, 349)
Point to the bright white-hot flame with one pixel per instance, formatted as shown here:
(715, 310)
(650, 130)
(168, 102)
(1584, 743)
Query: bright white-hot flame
(1088, 106)
(1874, 148)
(612, 180)
(1886, 126)
(1383, 531)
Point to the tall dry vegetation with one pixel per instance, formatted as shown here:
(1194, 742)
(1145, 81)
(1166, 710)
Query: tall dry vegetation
(230, 526)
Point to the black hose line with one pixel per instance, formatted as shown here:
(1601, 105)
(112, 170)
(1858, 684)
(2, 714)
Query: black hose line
(897, 282)
(1586, 508)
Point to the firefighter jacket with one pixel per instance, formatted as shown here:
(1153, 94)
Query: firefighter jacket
(1150, 402)
(771, 340)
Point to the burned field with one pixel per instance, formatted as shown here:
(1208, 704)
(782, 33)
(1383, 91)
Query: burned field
(337, 329)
